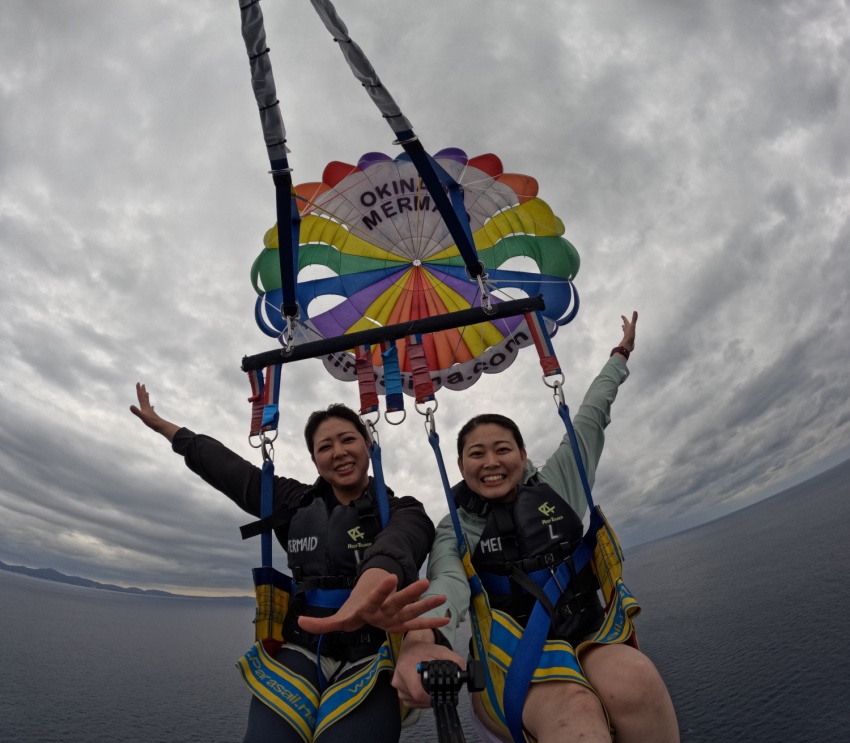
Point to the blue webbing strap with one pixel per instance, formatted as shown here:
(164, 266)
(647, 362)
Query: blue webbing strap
(392, 377)
(530, 647)
(288, 234)
(266, 506)
(564, 412)
(380, 485)
(434, 440)
(326, 598)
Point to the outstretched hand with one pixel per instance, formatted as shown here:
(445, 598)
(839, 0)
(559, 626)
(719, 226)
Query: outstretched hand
(375, 601)
(628, 341)
(150, 417)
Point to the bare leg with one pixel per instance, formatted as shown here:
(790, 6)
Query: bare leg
(633, 693)
(556, 712)
(564, 712)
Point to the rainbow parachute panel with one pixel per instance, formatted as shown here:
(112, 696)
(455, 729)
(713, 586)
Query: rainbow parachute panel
(374, 252)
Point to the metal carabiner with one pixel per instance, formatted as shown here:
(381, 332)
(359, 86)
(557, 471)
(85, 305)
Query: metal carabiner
(558, 388)
(427, 409)
(486, 299)
(430, 423)
(373, 431)
(268, 449)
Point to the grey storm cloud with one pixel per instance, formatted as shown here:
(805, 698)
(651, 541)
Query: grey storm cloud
(696, 153)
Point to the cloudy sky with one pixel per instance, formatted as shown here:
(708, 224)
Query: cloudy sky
(697, 153)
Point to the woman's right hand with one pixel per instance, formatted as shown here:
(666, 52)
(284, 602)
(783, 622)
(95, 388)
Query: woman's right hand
(150, 417)
(418, 646)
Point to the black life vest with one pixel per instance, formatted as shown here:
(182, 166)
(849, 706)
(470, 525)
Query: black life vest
(521, 543)
(323, 552)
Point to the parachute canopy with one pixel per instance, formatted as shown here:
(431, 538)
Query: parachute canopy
(374, 251)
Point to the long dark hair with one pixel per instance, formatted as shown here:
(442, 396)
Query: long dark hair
(337, 410)
(483, 419)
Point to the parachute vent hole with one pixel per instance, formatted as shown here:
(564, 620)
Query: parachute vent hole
(325, 303)
(522, 263)
(315, 271)
(509, 293)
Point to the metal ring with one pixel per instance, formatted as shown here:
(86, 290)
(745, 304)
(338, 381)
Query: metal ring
(367, 421)
(556, 384)
(427, 410)
(398, 422)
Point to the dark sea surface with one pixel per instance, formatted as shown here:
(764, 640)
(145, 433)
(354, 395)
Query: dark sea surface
(746, 617)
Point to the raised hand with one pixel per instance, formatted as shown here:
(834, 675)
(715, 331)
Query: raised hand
(628, 341)
(146, 413)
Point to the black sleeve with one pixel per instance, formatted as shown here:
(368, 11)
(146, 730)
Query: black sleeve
(230, 474)
(401, 547)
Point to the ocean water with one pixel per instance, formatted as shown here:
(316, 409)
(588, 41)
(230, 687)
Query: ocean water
(746, 618)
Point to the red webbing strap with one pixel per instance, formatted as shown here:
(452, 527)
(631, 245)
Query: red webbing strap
(264, 399)
(365, 379)
(543, 344)
(423, 387)
(257, 401)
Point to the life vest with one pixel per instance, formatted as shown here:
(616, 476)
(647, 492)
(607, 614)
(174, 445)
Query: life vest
(522, 543)
(323, 552)
(324, 549)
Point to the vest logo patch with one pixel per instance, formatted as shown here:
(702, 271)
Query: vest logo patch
(546, 509)
(305, 544)
(357, 535)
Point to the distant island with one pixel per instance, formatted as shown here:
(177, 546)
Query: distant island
(73, 580)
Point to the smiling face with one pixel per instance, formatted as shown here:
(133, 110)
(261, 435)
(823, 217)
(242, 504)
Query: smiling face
(341, 455)
(491, 462)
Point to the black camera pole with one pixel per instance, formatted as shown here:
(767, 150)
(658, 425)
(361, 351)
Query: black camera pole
(443, 679)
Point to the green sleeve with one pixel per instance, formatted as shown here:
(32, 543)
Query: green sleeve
(594, 414)
(446, 573)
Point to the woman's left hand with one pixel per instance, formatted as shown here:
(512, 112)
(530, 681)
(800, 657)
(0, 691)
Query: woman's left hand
(375, 601)
(628, 341)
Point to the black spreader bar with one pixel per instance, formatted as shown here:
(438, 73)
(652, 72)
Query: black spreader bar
(459, 319)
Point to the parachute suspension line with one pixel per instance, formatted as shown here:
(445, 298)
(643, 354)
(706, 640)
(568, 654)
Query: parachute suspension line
(274, 132)
(445, 191)
(369, 404)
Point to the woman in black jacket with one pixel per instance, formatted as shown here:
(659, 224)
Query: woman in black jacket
(331, 678)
